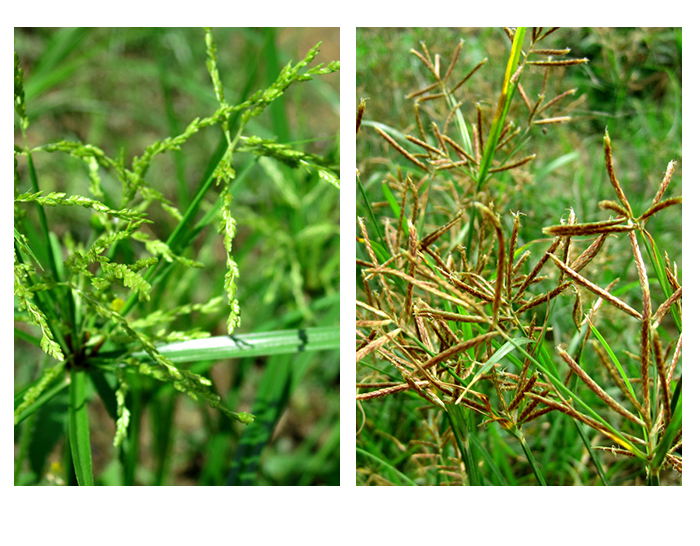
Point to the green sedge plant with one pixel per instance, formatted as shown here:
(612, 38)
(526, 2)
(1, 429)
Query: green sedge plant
(129, 280)
(488, 354)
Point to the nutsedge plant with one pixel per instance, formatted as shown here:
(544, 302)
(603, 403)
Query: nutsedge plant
(102, 307)
(457, 314)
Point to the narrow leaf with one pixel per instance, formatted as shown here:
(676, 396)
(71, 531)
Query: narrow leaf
(79, 429)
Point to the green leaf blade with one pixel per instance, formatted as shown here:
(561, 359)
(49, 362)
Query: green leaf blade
(79, 429)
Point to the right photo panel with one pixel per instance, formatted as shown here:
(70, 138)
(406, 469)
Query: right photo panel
(518, 256)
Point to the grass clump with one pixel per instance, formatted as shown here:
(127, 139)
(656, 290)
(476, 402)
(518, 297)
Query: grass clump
(497, 344)
(130, 275)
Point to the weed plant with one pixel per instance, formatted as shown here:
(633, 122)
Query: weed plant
(519, 298)
(170, 218)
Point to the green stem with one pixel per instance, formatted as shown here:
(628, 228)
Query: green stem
(592, 452)
(460, 425)
(653, 478)
(530, 458)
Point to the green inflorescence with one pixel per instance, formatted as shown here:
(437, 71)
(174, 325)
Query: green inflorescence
(80, 295)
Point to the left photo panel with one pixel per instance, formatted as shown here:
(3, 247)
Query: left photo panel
(176, 256)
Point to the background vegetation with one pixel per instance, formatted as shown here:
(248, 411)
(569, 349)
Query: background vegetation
(121, 90)
(631, 86)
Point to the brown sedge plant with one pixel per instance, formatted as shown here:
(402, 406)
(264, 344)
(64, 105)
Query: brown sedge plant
(458, 312)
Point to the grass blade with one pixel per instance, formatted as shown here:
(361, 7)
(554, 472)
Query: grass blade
(612, 356)
(52, 389)
(668, 437)
(395, 471)
(489, 461)
(270, 401)
(460, 427)
(258, 344)
(592, 452)
(368, 207)
(503, 104)
(79, 429)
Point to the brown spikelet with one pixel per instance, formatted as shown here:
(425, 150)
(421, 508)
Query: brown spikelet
(587, 255)
(360, 113)
(550, 121)
(457, 349)
(471, 73)
(550, 51)
(547, 33)
(469, 289)
(422, 91)
(426, 98)
(423, 334)
(592, 228)
(656, 207)
(525, 98)
(511, 253)
(525, 255)
(372, 323)
(401, 150)
(528, 415)
(438, 136)
(435, 235)
(611, 175)
(507, 135)
(644, 366)
(373, 345)
(665, 183)
(479, 126)
(641, 274)
(426, 59)
(423, 285)
(388, 390)
(413, 249)
(646, 322)
(538, 267)
(513, 165)
(564, 408)
(373, 257)
(539, 300)
(676, 357)
(456, 317)
(455, 57)
(582, 281)
(615, 207)
(604, 396)
(425, 145)
(661, 369)
(520, 394)
(564, 62)
(577, 311)
(501, 264)
(665, 307)
(460, 151)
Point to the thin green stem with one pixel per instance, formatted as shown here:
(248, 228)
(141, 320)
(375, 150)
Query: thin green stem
(530, 457)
